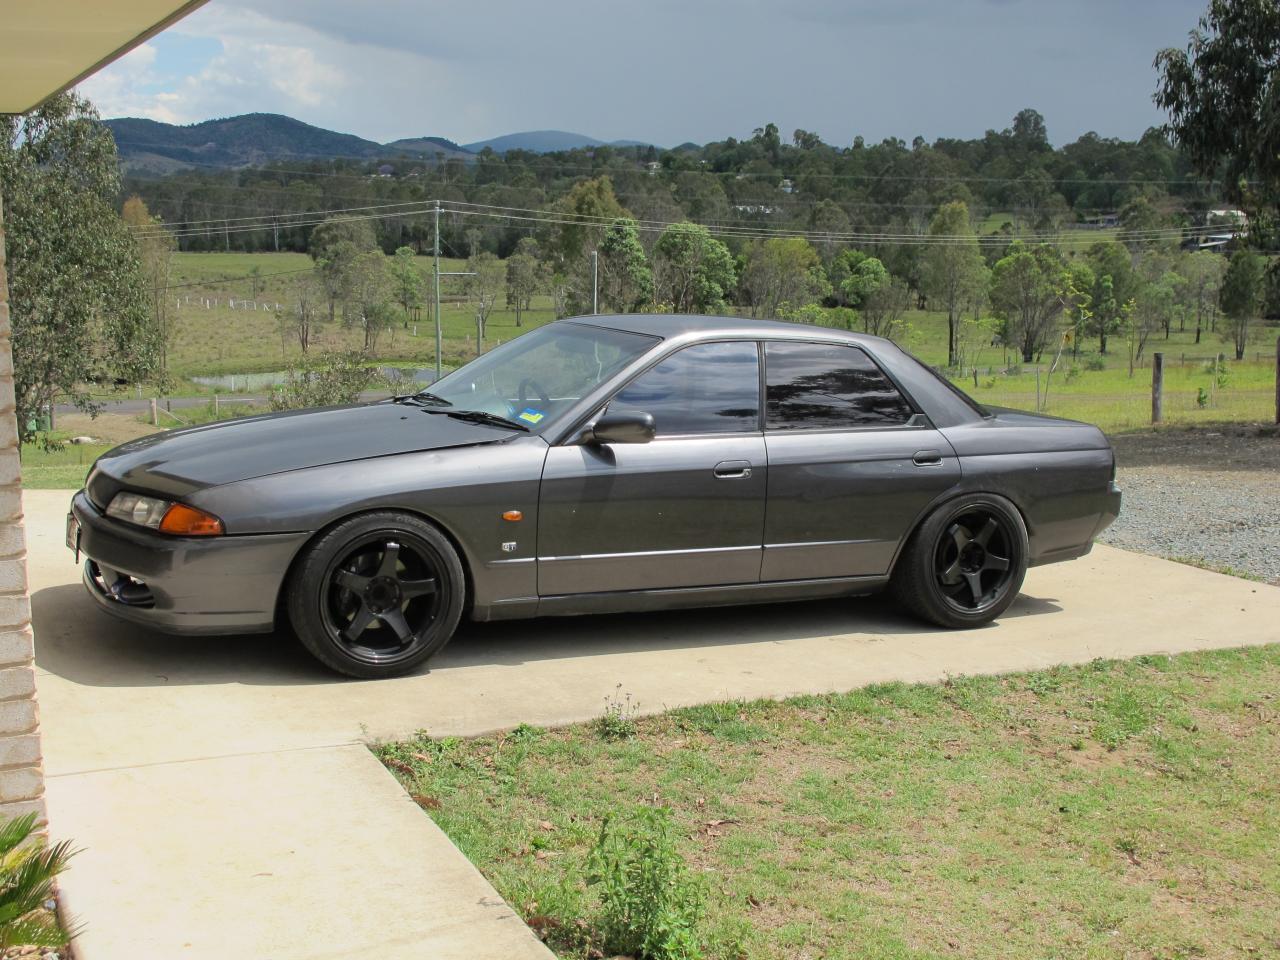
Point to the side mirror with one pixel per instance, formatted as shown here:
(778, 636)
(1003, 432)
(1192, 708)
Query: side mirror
(623, 428)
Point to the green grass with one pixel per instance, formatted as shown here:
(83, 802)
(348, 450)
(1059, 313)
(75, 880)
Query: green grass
(63, 469)
(225, 340)
(222, 341)
(1115, 809)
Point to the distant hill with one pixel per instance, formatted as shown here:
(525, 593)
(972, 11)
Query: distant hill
(248, 140)
(546, 141)
(254, 139)
(429, 146)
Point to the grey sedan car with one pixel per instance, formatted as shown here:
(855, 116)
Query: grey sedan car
(597, 464)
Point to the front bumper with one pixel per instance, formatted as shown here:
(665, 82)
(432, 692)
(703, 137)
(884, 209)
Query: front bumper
(189, 585)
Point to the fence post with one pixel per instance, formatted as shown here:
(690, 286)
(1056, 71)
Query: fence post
(155, 413)
(215, 406)
(1157, 387)
(1277, 379)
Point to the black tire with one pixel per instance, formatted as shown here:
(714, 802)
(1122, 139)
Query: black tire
(964, 564)
(376, 595)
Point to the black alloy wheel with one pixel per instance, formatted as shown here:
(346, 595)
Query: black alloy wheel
(972, 561)
(965, 563)
(377, 595)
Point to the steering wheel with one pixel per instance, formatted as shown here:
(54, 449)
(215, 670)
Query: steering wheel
(526, 386)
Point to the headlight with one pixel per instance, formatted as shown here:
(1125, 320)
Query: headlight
(164, 515)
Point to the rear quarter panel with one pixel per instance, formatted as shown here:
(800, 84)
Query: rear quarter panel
(1057, 472)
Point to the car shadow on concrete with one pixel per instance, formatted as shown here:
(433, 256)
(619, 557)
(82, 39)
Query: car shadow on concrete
(78, 642)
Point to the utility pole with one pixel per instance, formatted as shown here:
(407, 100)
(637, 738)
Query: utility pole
(437, 286)
(595, 281)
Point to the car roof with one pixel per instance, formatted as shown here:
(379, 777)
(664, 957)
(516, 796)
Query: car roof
(668, 325)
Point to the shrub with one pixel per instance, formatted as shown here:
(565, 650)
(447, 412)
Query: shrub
(333, 378)
(26, 884)
(650, 906)
(1095, 364)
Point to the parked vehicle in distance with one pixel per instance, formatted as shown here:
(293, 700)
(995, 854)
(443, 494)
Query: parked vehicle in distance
(598, 464)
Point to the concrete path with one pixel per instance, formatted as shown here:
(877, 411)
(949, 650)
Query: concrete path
(226, 810)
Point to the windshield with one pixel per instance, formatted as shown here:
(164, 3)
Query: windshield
(534, 378)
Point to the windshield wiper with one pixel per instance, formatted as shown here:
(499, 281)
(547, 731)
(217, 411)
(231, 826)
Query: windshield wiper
(480, 416)
(422, 398)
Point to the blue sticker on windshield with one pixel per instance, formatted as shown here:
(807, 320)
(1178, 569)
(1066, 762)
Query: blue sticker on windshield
(530, 415)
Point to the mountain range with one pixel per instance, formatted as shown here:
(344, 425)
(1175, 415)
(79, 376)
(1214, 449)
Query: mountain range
(253, 139)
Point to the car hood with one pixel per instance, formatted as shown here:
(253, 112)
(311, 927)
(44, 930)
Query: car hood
(179, 461)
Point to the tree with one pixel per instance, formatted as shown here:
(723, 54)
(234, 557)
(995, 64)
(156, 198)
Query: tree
(303, 322)
(486, 286)
(1155, 302)
(406, 281)
(1114, 286)
(1241, 297)
(782, 274)
(953, 266)
(883, 307)
(1203, 271)
(626, 281)
(1220, 94)
(523, 277)
(693, 271)
(864, 279)
(155, 250)
(368, 288)
(335, 246)
(79, 299)
(587, 207)
(1028, 294)
(327, 380)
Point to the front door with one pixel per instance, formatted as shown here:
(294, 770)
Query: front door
(851, 464)
(685, 509)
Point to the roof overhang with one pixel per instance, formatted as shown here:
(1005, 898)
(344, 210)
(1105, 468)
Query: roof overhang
(47, 46)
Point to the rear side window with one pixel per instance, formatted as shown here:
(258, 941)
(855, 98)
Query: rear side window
(819, 385)
(706, 388)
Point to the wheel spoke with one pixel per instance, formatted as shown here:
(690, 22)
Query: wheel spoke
(359, 624)
(960, 536)
(993, 562)
(390, 554)
(417, 588)
(985, 534)
(951, 575)
(975, 586)
(352, 581)
(394, 619)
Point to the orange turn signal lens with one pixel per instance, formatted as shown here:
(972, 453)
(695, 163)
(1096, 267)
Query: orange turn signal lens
(183, 521)
(513, 516)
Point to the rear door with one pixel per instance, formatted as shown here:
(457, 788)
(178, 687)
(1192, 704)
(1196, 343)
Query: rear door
(685, 509)
(852, 464)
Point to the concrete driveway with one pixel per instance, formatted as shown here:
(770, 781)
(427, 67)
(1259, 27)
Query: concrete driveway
(227, 808)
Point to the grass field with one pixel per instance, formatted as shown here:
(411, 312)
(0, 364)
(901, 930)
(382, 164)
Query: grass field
(1120, 809)
(221, 340)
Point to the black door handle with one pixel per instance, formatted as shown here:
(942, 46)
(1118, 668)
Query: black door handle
(732, 469)
(927, 458)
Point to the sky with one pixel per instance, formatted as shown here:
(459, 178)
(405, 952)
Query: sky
(660, 71)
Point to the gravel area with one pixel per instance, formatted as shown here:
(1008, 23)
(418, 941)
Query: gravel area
(1210, 496)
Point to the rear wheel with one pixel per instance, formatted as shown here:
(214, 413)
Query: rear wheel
(376, 595)
(965, 564)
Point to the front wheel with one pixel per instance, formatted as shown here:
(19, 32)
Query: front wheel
(376, 595)
(965, 564)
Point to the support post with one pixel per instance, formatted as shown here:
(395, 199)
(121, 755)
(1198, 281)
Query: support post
(155, 413)
(1157, 387)
(436, 248)
(595, 281)
(1277, 379)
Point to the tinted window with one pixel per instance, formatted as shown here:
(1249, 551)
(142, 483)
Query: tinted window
(708, 388)
(812, 385)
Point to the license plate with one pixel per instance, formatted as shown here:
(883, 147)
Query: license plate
(73, 535)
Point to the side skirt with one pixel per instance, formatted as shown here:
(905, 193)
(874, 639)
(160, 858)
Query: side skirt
(628, 601)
